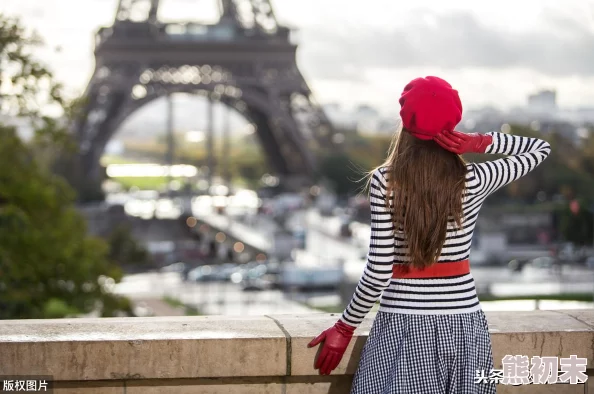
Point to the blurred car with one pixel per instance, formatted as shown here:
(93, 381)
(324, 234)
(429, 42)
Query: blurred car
(314, 278)
(545, 263)
(205, 273)
(516, 265)
(542, 267)
(181, 268)
(259, 277)
(224, 272)
(177, 267)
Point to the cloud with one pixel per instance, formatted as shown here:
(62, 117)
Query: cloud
(452, 41)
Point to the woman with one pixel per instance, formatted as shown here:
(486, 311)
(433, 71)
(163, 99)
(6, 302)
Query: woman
(430, 334)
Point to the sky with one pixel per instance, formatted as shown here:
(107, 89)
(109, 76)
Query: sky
(363, 52)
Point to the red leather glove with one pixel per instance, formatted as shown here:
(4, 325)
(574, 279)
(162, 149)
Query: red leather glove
(336, 339)
(461, 143)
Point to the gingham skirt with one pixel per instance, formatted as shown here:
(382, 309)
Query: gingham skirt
(425, 354)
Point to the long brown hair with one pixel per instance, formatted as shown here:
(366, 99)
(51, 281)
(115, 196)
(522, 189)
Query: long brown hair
(425, 184)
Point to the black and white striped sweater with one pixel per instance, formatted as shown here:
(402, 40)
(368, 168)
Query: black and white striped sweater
(436, 295)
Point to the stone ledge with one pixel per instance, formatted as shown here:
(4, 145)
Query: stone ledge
(263, 354)
(143, 348)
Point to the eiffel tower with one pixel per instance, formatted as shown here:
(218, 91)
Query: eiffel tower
(246, 61)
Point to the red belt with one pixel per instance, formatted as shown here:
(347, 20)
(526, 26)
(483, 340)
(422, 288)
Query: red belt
(437, 270)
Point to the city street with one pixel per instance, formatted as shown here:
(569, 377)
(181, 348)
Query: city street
(209, 298)
(326, 248)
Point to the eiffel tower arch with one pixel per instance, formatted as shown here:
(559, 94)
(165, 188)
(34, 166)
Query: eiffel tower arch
(246, 61)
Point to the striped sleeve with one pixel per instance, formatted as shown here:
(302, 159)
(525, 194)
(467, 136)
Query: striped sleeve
(380, 258)
(525, 154)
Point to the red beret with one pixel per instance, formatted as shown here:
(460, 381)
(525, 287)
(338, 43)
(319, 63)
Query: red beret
(428, 106)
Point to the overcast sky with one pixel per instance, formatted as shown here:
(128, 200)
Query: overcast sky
(364, 52)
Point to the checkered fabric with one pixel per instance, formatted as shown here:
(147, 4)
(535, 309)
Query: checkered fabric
(425, 354)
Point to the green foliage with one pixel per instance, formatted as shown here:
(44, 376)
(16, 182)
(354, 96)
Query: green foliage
(26, 85)
(173, 302)
(49, 267)
(248, 167)
(342, 173)
(567, 174)
(56, 308)
(124, 249)
(347, 171)
(247, 164)
(144, 183)
(564, 173)
(188, 310)
(192, 311)
(28, 90)
(577, 228)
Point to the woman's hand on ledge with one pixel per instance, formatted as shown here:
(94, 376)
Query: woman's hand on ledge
(335, 342)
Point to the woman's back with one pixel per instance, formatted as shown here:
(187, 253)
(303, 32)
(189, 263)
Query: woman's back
(388, 246)
(430, 335)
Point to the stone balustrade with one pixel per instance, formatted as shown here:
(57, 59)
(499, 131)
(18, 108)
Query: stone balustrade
(251, 355)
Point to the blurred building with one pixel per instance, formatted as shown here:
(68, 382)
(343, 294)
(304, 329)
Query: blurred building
(543, 102)
(365, 119)
(541, 114)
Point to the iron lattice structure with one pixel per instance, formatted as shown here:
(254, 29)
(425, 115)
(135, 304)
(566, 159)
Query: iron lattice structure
(246, 60)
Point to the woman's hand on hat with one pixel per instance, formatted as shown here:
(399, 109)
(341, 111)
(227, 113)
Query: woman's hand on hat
(460, 143)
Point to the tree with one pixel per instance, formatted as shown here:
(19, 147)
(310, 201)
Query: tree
(47, 262)
(344, 175)
(125, 251)
(26, 86)
(566, 172)
(576, 222)
(49, 266)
